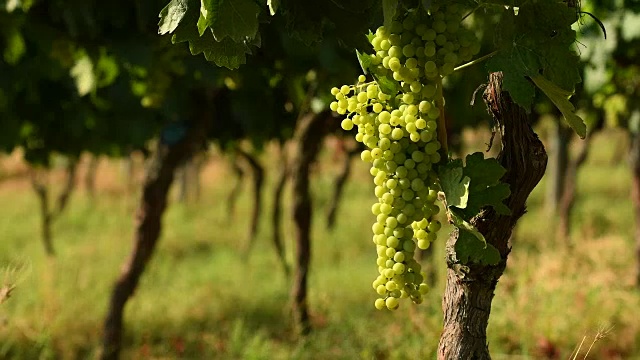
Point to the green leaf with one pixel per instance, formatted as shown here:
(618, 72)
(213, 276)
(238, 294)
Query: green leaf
(370, 36)
(172, 15)
(389, 8)
(538, 40)
(454, 184)
(516, 64)
(227, 52)
(485, 188)
(273, 6)
(560, 99)
(469, 248)
(237, 19)
(485, 172)
(209, 13)
(477, 185)
(364, 60)
(462, 224)
(387, 86)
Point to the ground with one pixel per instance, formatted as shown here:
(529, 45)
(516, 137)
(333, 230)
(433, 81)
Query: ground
(201, 299)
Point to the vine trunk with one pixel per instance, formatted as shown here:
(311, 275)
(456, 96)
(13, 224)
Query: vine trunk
(470, 287)
(308, 137)
(159, 178)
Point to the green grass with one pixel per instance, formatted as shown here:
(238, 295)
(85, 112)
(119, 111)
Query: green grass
(200, 299)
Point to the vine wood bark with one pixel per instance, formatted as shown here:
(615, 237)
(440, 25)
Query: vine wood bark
(257, 173)
(470, 288)
(232, 198)
(338, 185)
(309, 134)
(159, 176)
(569, 193)
(48, 215)
(276, 214)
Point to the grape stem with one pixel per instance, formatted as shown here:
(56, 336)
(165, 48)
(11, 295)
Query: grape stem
(442, 128)
(473, 62)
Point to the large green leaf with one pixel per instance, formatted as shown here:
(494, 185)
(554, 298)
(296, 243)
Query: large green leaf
(477, 185)
(389, 8)
(454, 184)
(237, 19)
(172, 15)
(469, 248)
(560, 99)
(538, 40)
(227, 52)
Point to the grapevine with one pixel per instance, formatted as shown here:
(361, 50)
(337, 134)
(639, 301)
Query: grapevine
(400, 120)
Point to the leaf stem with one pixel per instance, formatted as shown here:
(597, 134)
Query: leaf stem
(473, 62)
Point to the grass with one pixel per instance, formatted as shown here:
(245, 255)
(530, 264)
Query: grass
(200, 299)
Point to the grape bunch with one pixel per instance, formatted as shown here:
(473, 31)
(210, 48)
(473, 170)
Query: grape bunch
(400, 131)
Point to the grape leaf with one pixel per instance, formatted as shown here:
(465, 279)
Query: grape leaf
(386, 85)
(515, 65)
(560, 99)
(227, 52)
(171, 16)
(454, 184)
(364, 60)
(237, 19)
(536, 41)
(469, 248)
(389, 8)
(483, 187)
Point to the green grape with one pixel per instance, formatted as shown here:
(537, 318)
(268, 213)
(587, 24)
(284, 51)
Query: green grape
(400, 132)
(439, 26)
(392, 303)
(429, 35)
(434, 226)
(393, 242)
(347, 124)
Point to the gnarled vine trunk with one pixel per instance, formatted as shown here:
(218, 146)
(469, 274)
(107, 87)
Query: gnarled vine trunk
(338, 186)
(48, 215)
(470, 287)
(257, 173)
(569, 193)
(310, 132)
(232, 198)
(159, 176)
(276, 214)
